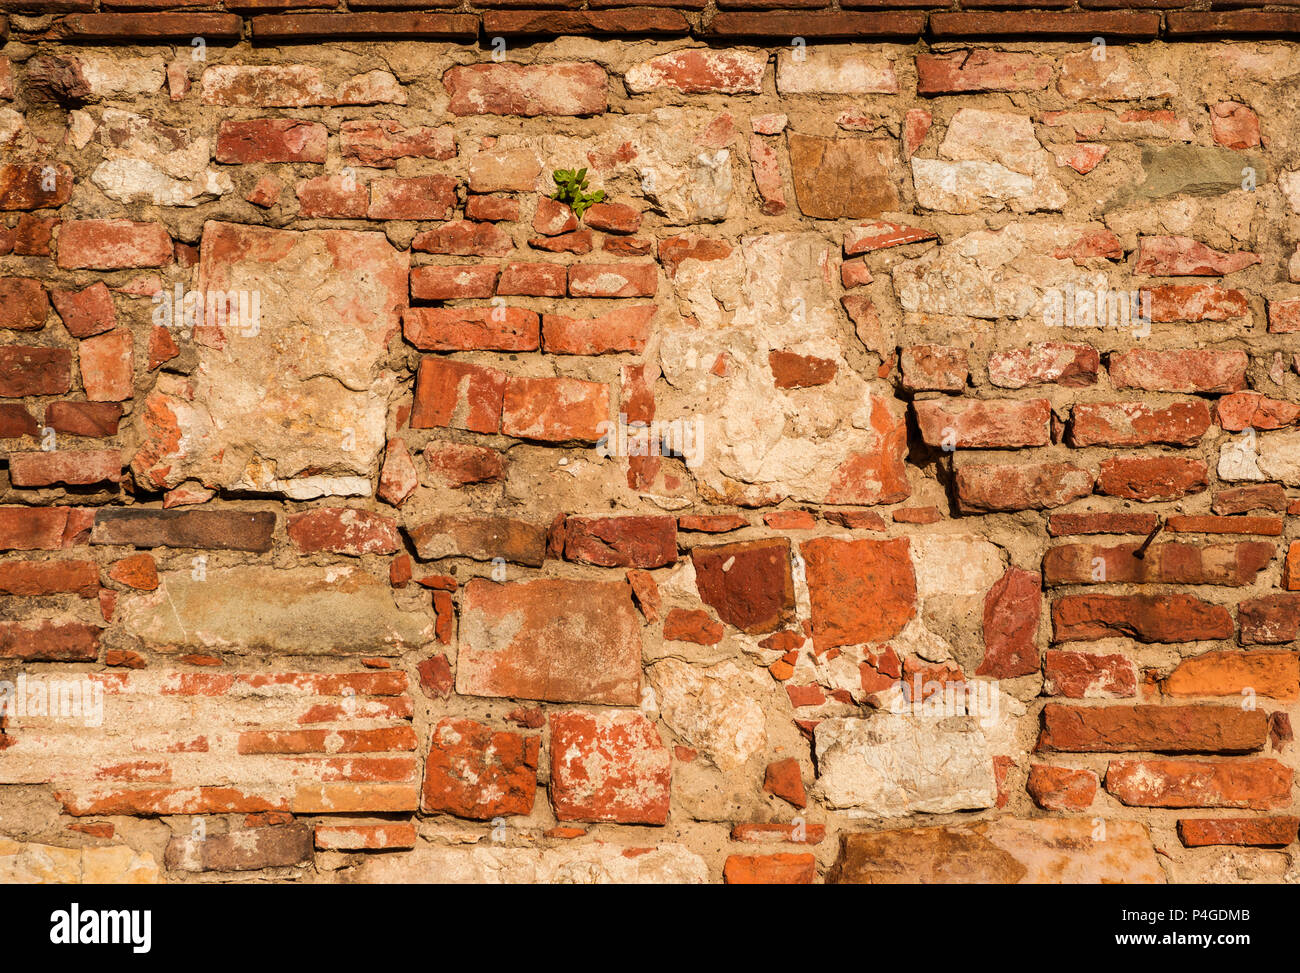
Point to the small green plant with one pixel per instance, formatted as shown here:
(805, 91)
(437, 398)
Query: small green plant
(571, 188)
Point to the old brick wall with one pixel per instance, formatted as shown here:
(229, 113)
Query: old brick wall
(964, 343)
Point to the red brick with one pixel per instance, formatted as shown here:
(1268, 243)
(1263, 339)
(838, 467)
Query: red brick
(1033, 486)
(22, 187)
(398, 477)
(1012, 609)
(39, 578)
(1084, 675)
(458, 464)
(69, 467)
(1250, 410)
(271, 140)
(482, 538)
(1284, 316)
(552, 217)
(1269, 526)
(475, 772)
(436, 678)
(612, 218)
(16, 421)
(783, 869)
(557, 88)
(1198, 370)
(609, 766)
(1146, 618)
(1172, 563)
(934, 368)
(532, 280)
(556, 640)
(1195, 302)
(625, 329)
(1056, 362)
(332, 197)
(85, 312)
(983, 424)
(492, 208)
(1101, 523)
(1179, 256)
(343, 530)
(151, 27)
(113, 245)
(1222, 23)
(1270, 619)
(1165, 729)
(412, 198)
(613, 280)
(471, 328)
(554, 409)
(692, 626)
(380, 142)
(46, 641)
(1152, 477)
(805, 834)
(1230, 673)
(1255, 784)
(1138, 424)
(1238, 500)
(978, 70)
(465, 239)
(225, 530)
(431, 283)
(138, 571)
(23, 304)
(1061, 788)
(34, 371)
(784, 779)
(832, 25)
(711, 523)
(43, 528)
(95, 419)
(457, 394)
(621, 542)
(1251, 832)
(860, 590)
(749, 584)
(108, 366)
(389, 836)
(795, 371)
(1117, 25)
(272, 28)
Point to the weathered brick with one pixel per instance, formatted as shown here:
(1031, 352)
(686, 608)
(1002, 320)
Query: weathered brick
(412, 198)
(697, 71)
(460, 464)
(608, 766)
(990, 424)
(621, 542)
(28, 370)
(980, 70)
(749, 585)
(1269, 619)
(1271, 832)
(47, 641)
(1169, 563)
(218, 530)
(85, 312)
(783, 869)
(241, 851)
(1152, 478)
(113, 245)
(1084, 675)
(566, 641)
(39, 578)
(475, 772)
(1232, 673)
(625, 329)
(457, 394)
(1061, 788)
(65, 466)
(23, 304)
(107, 364)
(1146, 618)
(380, 142)
(1050, 362)
(1138, 423)
(343, 530)
(472, 328)
(554, 409)
(95, 419)
(1164, 729)
(271, 140)
(527, 89)
(1032, 486)
(860, 590)
(1260, 785)
(1199, 371)
(483, 538)
(1012, 610)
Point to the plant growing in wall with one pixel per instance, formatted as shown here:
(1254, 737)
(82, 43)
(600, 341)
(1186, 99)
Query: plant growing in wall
(571, 188)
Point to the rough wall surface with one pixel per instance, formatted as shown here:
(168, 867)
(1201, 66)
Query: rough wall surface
(891, 480)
